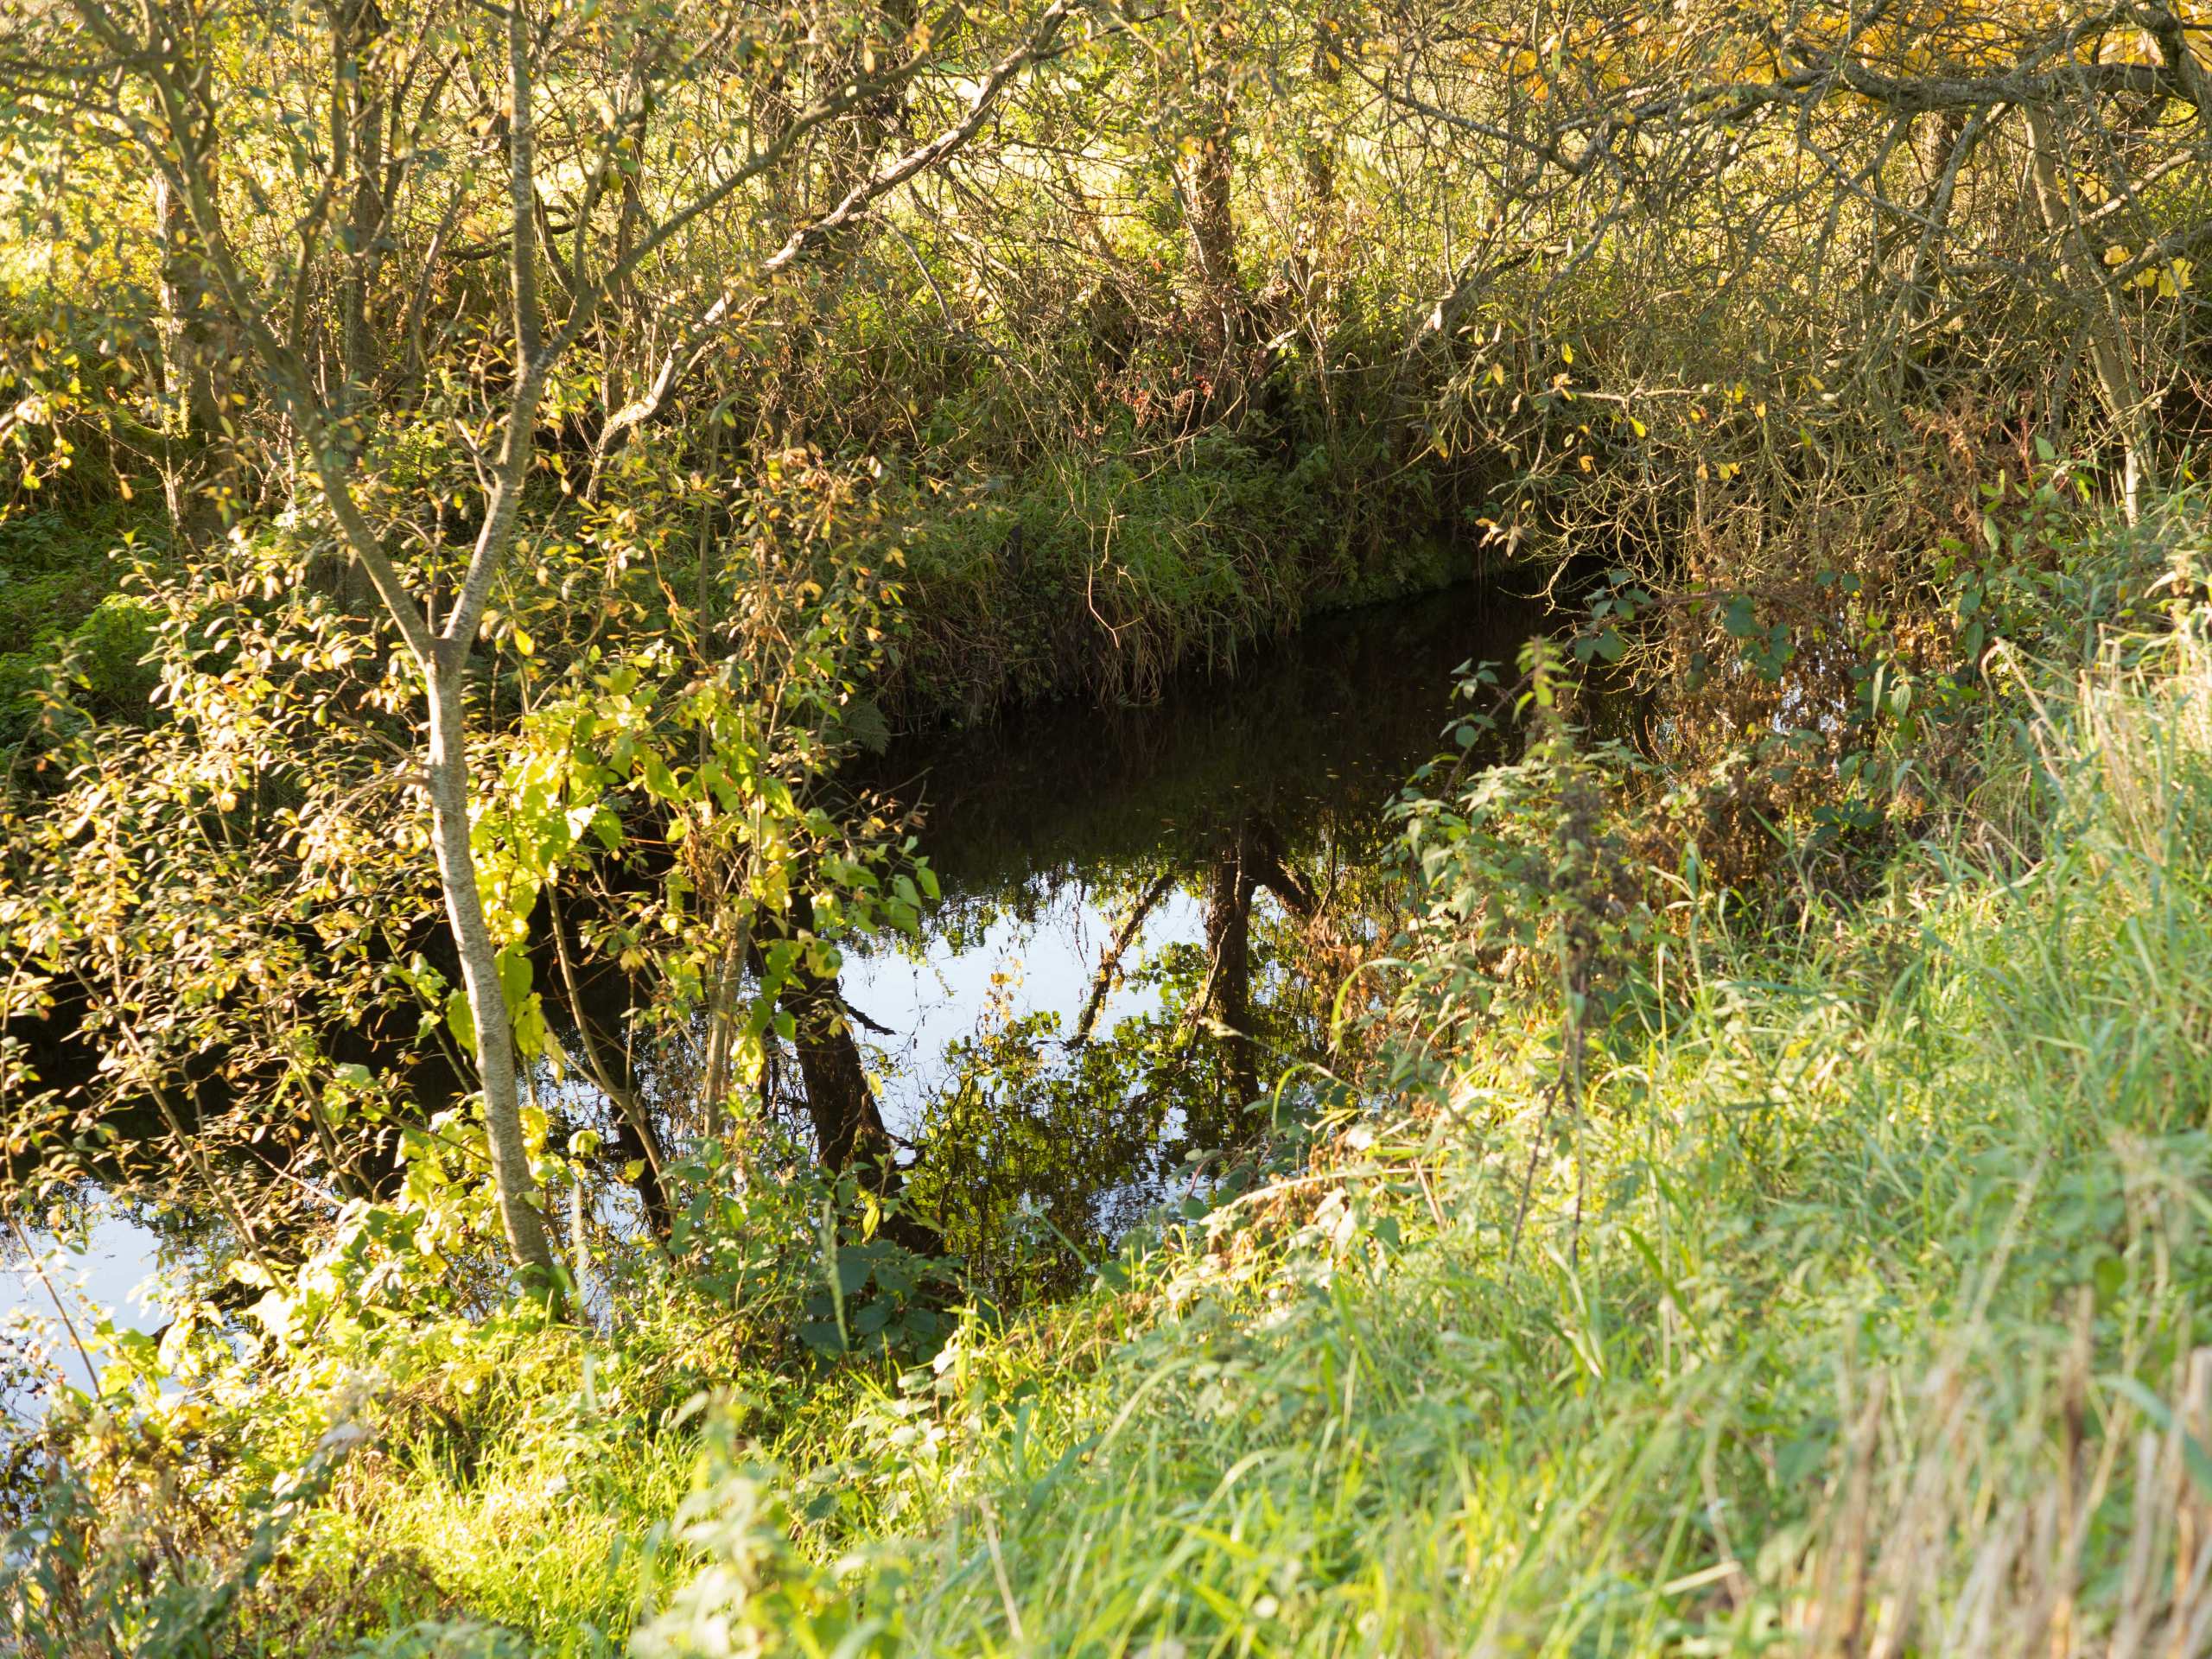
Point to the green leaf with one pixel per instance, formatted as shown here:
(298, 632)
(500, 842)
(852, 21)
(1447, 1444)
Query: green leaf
(513, 965)
(460, 1021)
(893, 1274)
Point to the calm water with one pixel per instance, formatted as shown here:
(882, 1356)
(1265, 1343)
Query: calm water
(107, 1273)
(1027, 821)
(1042, 826)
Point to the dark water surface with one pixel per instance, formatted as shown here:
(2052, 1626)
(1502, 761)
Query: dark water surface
(1036, 824)
(1044, 830)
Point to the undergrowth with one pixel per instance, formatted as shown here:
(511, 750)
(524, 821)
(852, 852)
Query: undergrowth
(1818, 1271)
(1097, 578)
(58, 577)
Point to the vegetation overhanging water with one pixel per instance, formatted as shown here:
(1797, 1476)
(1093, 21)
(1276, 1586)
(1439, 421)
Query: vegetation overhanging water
(1073, 846)
(649, 1165)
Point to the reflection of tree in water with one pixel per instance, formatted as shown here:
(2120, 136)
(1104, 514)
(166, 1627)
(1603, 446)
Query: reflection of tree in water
(650, 1082)
(1037, 1146)
(1250, 856)
(1232, 795)
(1032, 1144)
(1043, 1145)
(1261, 800)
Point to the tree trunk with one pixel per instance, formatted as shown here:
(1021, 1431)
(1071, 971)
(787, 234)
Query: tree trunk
(197, 472)
(638, 1142)
(1251, 857)
(849, 1127)
(1229, 979)
(1203, 177)
(858, 143)
(849, 1133)
(359, 132)
(852, 149)
(1204, 170)
(1317, 152)
(635, 1135)
(448, 770)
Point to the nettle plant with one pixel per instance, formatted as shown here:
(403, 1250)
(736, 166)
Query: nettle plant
(1527, 922)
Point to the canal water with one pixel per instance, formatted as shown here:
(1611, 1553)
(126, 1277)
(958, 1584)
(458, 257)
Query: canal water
(1081, 855)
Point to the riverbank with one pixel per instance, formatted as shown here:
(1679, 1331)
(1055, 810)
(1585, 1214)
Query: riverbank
(1087, 576)
(1854, 1291)
(1861, 1301)
(1098, 577)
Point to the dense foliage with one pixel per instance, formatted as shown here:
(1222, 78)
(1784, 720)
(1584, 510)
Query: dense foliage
(489, 490)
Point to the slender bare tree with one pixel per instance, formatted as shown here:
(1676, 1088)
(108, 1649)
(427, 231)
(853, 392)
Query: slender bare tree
(164, 78)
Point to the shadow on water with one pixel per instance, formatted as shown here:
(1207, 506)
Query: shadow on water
(1145, 912)
(1316, 733)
